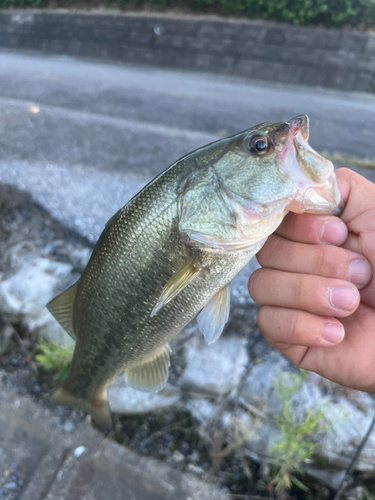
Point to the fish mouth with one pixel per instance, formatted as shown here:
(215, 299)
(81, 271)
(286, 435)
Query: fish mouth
(324, 199)
(318, 191)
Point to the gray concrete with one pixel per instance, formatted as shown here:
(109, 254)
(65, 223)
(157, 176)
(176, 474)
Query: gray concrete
(38, 459)
(265, 51)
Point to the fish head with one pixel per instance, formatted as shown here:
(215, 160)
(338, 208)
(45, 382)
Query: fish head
(253, 180)
(272, 165)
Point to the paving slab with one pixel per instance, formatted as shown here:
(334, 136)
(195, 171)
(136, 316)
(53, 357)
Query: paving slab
(39, 459)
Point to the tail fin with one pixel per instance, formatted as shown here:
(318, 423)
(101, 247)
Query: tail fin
(97, 408)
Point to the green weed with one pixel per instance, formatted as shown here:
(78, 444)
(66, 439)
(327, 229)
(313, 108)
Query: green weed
(350, 161)
(54, 358)
(329, 13)
(297, 443)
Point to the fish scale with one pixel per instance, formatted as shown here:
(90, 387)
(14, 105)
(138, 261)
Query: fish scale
(172, 251)
(130, 241)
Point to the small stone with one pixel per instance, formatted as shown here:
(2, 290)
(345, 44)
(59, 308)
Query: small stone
(78, 451)
(195, 456)
(177, 457)
(25, 293)
(10, 486)
(128, 401)
(68, 426)
(201, 409)
(194, 469)
(216, 368)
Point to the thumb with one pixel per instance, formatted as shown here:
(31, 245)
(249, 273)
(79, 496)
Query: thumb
(359, 197)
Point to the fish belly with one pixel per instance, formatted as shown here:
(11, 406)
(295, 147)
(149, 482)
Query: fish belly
(119, 290)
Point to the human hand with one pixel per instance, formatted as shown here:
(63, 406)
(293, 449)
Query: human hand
(318, 300)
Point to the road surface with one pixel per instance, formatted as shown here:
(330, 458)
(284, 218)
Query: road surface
(84, 136)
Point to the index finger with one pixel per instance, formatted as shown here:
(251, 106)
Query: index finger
(315, 229)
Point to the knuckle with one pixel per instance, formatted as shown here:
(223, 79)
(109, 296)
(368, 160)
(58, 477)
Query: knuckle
(263, 254)
(266, 323)
(295, 328)
(260, 318)
(297, 288)
(326, 263)
(268, 253)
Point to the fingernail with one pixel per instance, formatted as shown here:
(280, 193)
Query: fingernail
(333, 333)
(343, 297)
(333, 232)
(359, 272)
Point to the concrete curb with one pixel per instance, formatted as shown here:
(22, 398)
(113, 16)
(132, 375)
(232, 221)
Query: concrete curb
(264, 51)
(60, 465)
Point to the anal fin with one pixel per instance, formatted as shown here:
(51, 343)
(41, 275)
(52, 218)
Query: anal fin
(152, 375)
(177, 283)
(61, 307)
(211, 320)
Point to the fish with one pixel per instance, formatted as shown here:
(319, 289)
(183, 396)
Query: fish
(172, 251)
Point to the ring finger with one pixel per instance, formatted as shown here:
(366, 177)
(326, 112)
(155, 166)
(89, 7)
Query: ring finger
(292, 331)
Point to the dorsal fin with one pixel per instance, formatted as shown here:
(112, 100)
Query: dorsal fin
(111, 219)
(61, 308)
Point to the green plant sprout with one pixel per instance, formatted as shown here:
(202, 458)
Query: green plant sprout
(54, 358)
(297, 443)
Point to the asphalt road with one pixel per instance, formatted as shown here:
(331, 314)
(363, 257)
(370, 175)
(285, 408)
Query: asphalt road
(84, 136)
(153, 116)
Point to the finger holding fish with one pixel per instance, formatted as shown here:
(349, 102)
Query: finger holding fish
(313, 294)
(292, 330)
(302, 335)
(327, 261)
(313, 229)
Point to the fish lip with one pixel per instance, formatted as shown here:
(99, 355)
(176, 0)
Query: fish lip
(334, 204)
(333, 195)
(299, 123)
(323, 199)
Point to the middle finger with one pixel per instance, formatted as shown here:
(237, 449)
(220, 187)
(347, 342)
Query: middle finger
(321, 296)
(321, 260)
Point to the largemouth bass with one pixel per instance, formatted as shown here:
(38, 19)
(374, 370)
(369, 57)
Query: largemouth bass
(172, 251)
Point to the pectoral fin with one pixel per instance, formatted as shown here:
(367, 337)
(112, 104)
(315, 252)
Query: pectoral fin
(214, 315)
(177, 283)
(151, 375)
(61, 307)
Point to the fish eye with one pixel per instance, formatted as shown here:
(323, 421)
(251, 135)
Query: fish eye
(259, 145)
